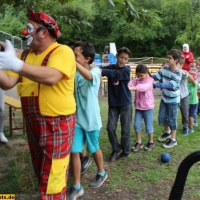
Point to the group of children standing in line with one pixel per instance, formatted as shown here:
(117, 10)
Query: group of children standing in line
(171, 79)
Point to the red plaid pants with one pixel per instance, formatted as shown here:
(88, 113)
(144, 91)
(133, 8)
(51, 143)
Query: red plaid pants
(50, 139)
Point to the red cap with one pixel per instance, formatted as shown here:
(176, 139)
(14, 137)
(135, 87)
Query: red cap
(45, 20)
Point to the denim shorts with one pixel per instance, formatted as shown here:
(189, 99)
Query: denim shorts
(80, 137)
(147, 115)
(167, 114)
(193, 110)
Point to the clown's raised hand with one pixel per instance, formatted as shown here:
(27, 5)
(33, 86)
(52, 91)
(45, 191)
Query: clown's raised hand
(9, 59)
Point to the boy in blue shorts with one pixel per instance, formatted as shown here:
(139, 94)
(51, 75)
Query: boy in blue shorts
(170, 77)
(193, 100)
(198, 92)
(85, 159)
(184, 101)
(88, 122)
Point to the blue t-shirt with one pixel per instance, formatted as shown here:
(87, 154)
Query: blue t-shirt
(87, 105)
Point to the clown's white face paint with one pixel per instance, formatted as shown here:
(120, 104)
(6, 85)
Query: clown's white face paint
(29, 40)
(30, 29)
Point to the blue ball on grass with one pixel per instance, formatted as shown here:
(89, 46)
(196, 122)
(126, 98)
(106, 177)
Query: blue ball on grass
(165, 157)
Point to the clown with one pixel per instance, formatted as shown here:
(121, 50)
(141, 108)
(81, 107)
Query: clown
(28, 32)
(46, 22)
(44, 74)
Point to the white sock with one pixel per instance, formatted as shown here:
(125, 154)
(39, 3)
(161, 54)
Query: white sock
(168, 132)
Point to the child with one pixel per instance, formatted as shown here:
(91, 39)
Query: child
(170, 98)
(88, 121)
(184, 102)
(193, 100)
(144, 104)
(120, 104)
(85, 159)
(198, 80)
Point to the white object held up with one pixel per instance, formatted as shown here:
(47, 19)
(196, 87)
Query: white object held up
(9, 59)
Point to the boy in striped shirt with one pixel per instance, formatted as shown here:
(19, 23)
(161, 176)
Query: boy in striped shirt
(169, 78)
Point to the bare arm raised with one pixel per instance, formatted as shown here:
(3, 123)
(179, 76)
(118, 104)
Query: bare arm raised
(84, 72)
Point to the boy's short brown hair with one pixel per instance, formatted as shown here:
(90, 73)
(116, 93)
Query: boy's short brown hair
(124, 50)
(87, 48)
(175, 53)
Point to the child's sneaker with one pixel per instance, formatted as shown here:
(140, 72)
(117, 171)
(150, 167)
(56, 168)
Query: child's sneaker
(137, 146)
(85, 163)
(185, 131)
(75, 194)
(98, 181)
(149, 146)
(123, 156)
(196, 123)
(170, 144)
(164, 137)
(191, 130)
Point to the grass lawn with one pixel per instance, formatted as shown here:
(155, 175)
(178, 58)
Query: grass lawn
(143, 169)
(141, 176)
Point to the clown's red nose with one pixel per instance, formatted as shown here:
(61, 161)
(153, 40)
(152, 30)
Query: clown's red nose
(25, 32)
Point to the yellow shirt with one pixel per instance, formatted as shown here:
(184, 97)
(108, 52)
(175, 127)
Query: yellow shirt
(53, 100)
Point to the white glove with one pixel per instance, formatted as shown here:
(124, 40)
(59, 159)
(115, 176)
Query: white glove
(9, 60)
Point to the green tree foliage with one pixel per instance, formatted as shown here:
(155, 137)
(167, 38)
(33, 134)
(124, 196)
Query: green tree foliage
(134, 10)
(75, 17)
(12, 23)
(147, 27)
(181, 22)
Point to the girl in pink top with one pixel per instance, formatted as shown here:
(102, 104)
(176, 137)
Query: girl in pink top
(144, 105)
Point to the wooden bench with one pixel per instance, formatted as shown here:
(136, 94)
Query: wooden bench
(153, 71)
(104, 79)
(132, 74)
(14, 105)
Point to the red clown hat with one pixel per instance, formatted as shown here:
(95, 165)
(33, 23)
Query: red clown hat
(45, 20)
